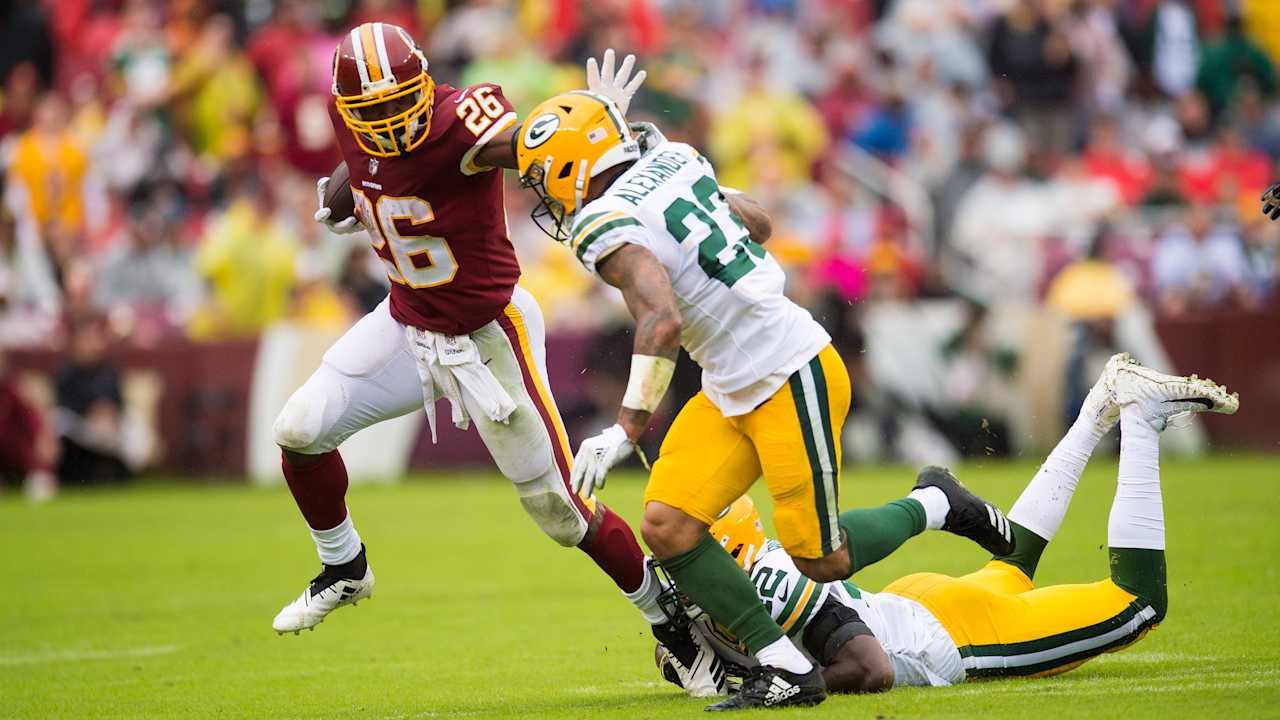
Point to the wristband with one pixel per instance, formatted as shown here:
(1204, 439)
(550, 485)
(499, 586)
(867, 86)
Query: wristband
(650, 376)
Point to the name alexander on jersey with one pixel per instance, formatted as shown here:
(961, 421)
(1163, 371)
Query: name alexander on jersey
(658, 168)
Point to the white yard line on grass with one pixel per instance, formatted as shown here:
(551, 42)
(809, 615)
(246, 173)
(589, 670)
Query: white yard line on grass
(42, 657)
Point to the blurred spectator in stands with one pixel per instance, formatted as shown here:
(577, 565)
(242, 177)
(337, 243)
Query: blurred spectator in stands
(25, 40)
(462, 36)
(1228, 60)
(364, 279)
(977, 372)
(147, 282)
(141, 57)
(1165, 192)
(999, 224)
(248, 257)
(18, 95)
(28, 449)
(885, 129)
(215, 92)
(940, 33)
(1225, 170)
(1105, 67)
(1167, 47)
(89, 411)
(50, 166)
(1107, 157)
(30, 298)
(1092, 293)
(294, 58)
(1257, 121)
(1200, 264)
(1262, 256)
(766, 132)
(1034, 70)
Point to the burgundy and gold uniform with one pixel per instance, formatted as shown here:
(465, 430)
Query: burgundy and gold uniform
(436, 220)
(454, 325)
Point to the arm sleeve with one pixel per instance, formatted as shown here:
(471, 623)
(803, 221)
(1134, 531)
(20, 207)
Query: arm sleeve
(483, 112)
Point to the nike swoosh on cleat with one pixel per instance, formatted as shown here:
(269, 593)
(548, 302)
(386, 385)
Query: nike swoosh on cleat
(1203, 401)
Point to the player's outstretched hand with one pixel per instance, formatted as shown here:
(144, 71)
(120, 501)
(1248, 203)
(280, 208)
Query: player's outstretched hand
(1271, 202)
(596, 456)
(602, 80)
(341, 227)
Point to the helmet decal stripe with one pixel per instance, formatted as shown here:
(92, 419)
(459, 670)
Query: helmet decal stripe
(357, 49)
(370, 52)
(380, 42)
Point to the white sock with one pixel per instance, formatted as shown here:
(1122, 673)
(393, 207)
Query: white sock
(338, 544)
(645, 597)
(782, 654)
(1137, 514)
(935, 505)
(1042, 505)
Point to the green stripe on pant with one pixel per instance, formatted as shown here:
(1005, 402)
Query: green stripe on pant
(1041, 655)
(817, 443)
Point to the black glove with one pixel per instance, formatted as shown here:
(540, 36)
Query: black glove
(1271, 202)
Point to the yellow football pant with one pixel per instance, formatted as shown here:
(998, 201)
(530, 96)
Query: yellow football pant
(1004, 626)
(708, 460)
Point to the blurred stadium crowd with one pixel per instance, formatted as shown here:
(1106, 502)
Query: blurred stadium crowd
(160, 157)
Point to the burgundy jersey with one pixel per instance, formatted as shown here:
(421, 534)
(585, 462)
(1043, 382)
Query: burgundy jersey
(436, 219)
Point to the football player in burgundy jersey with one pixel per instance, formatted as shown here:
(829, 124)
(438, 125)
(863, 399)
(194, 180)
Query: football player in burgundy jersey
(421, 157)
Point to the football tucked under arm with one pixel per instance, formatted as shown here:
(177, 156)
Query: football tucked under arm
(337, 195)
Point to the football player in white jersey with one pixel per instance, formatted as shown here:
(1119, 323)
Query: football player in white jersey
(774, 393)
(930, 629)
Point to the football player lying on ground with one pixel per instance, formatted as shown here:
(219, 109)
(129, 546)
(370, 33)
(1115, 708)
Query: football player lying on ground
(933, 629)
(774, 396)
(421, 159)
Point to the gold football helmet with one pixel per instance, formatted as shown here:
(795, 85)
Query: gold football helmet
(567, 141)
(739, 531)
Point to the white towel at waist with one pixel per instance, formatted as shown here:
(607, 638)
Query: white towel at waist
(446, 365)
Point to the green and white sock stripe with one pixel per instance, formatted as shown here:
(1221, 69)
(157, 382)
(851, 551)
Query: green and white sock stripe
(1044, 654)
(809, 390)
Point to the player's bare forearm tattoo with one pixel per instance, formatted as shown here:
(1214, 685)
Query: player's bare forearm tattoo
(647, 290)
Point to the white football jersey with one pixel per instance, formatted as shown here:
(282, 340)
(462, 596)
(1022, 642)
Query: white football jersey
(747, 336)
(919, 648)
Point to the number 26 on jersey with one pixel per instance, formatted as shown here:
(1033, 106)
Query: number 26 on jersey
(413, 258)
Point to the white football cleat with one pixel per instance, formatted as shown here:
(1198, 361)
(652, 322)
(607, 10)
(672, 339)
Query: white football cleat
(1164, 397)
(326, 593)
(1100, 404)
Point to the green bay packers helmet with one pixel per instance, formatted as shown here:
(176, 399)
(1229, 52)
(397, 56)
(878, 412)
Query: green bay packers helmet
(739, 531)
(566, 141)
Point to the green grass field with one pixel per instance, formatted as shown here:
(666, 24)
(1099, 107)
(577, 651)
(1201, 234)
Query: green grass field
(157, 601)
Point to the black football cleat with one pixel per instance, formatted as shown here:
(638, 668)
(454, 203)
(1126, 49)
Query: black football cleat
(770, 687)
(970, 516)
(687, 659)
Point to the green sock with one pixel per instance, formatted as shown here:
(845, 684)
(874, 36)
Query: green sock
(715, 583)
(1142, 572)
(874, 533)
(1028, 547)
